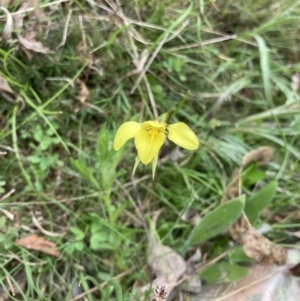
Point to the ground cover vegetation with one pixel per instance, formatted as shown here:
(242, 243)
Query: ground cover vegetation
(74, 222)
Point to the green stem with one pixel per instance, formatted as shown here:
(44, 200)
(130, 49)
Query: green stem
(16, 149)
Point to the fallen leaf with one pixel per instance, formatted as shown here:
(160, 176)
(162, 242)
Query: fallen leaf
(295, 84)
(33, 45)
(167, 265)
(9, 25)
(262, 155)
(27, 40)
(193, 283)
(264, 283)
(20, 14)
(84, 93)
(38, 12)
(4, 86)
(255, 245)
(37, 243)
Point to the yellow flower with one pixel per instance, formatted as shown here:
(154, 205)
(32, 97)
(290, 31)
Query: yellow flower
(149, 137)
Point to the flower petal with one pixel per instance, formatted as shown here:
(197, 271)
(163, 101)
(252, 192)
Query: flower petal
(154, 124)
(147, 145)
(183, 136)
(136, 164)
(126, 131)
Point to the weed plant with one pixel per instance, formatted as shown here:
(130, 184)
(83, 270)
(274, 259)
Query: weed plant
(230, 71)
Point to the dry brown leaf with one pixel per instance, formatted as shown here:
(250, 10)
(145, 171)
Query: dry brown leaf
(193, 283)
(33, 45)
(38, 12)
(37, 243)
(28, 40)
(295, 84)
(20, 14)
(264, 283)
(262, 155)
(255, 245)
(4, 86)
(84, 93)
(9, 25)
(167, 265)
(7, 93)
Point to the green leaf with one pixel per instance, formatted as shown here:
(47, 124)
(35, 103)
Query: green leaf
(96, 227)
(84, 170)
(79, 234)
(79, 245)
(260, 200)
(252, 175)
(265, 67)
(100, 236)
(38, 134)
(103, 143)
(238, 255)
(45, 142)
(69, 249)
(104, 276)
(2, 237)
(216, 221)
(34, 159)
(2, 222)
(224, 271)
(98, 241)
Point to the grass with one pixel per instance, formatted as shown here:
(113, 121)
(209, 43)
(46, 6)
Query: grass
(225, 67)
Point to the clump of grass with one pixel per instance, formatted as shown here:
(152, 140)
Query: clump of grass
(225, 67)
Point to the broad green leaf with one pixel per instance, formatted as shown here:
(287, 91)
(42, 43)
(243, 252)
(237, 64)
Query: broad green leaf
(260, 200)
(216, 221)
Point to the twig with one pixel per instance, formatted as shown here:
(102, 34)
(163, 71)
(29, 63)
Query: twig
(48, 233)
(64, 38)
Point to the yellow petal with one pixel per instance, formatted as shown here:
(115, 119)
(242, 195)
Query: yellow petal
(136, 164)
(148, 145)
(153, 123)
(126, 131)
(183, 136)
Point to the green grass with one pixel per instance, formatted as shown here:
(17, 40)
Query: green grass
(225, 67)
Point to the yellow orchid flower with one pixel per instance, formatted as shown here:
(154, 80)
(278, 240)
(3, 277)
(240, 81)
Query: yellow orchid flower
(149, 137)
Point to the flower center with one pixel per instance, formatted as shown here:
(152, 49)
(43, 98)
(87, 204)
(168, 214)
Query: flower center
(154, 130)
